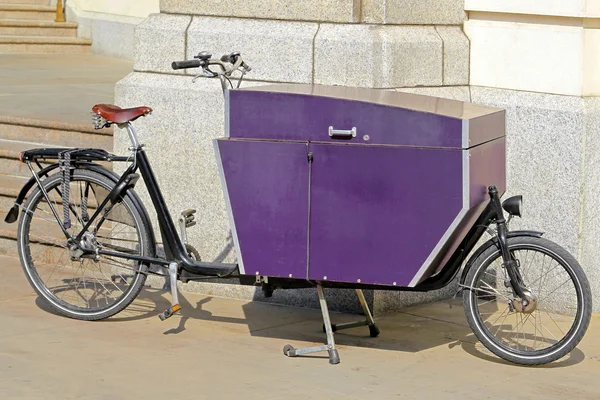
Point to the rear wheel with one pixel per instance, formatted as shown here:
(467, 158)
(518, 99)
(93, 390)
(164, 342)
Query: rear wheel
(559, 309)
(87, 287)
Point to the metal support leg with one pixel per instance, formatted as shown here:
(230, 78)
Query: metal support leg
(334, 357)
(369, 321)
(173, 269)
(373, 330)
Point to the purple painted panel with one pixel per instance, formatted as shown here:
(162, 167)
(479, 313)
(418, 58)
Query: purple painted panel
(268, 191)
(378, 212)
(284, 116)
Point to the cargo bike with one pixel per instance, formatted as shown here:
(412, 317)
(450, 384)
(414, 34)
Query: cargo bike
(326, 187)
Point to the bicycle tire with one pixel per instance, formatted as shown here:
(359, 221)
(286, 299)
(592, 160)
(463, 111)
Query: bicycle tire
(61, 306)
(491, 341)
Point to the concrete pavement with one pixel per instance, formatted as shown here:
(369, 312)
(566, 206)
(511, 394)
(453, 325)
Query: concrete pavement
(227, 349)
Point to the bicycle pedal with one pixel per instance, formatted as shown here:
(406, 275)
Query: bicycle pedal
(168, 313)
(188, 213)
(187, 218)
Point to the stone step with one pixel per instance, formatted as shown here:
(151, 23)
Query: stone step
(45, 232)
(34, 44)
(49, 230)
(56, 133)
(10, 151)
(10, 186)
(27, 11)
(8, 247)
(8, 236)
(9, 189)
(15, 27)
(8, 239)
(23, 2)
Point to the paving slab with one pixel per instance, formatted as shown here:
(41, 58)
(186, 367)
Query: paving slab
(225, 349)
(57, 87)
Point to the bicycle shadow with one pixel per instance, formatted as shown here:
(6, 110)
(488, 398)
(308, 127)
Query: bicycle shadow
(479, 351)
(411, 330)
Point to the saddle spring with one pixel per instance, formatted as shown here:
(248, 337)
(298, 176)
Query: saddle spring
(99, 121)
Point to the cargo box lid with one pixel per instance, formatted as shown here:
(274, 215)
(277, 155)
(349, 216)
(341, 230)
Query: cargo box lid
(304, 112)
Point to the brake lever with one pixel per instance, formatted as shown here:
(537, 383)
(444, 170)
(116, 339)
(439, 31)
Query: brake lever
(206, 73)
(241, 78)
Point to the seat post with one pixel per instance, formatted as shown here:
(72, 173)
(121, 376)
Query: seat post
(132, 135)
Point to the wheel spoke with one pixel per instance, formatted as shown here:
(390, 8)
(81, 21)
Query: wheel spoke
(559, 286)
(494, 291)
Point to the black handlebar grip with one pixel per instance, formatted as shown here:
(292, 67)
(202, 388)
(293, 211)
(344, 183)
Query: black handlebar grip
(186, 64)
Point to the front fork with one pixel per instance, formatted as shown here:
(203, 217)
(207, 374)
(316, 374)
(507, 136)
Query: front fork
(509, 263)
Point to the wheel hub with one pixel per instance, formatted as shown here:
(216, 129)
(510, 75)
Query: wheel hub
(527, 305)
(86, 244)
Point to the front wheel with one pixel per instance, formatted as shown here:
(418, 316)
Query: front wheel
(559, 308)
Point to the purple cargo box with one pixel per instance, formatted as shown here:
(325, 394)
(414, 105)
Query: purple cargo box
(387, 206)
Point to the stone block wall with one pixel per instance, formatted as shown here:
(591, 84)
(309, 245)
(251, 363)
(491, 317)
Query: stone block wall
(539, 61)
(412, 45)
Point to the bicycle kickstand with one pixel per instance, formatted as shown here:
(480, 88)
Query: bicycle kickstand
(173, 268)
(334, 357)
(369, 321)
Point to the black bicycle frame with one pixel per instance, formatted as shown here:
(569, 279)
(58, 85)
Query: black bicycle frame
(174, 248)
(175, 251)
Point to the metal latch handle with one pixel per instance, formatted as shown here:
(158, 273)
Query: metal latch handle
(342, 132)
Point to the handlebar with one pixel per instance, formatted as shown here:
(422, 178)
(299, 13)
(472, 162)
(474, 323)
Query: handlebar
(186, 64)
(204, 60)
(228, 64)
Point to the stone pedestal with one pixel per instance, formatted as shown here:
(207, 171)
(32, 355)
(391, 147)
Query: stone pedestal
(552, 145)
(540, 61)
